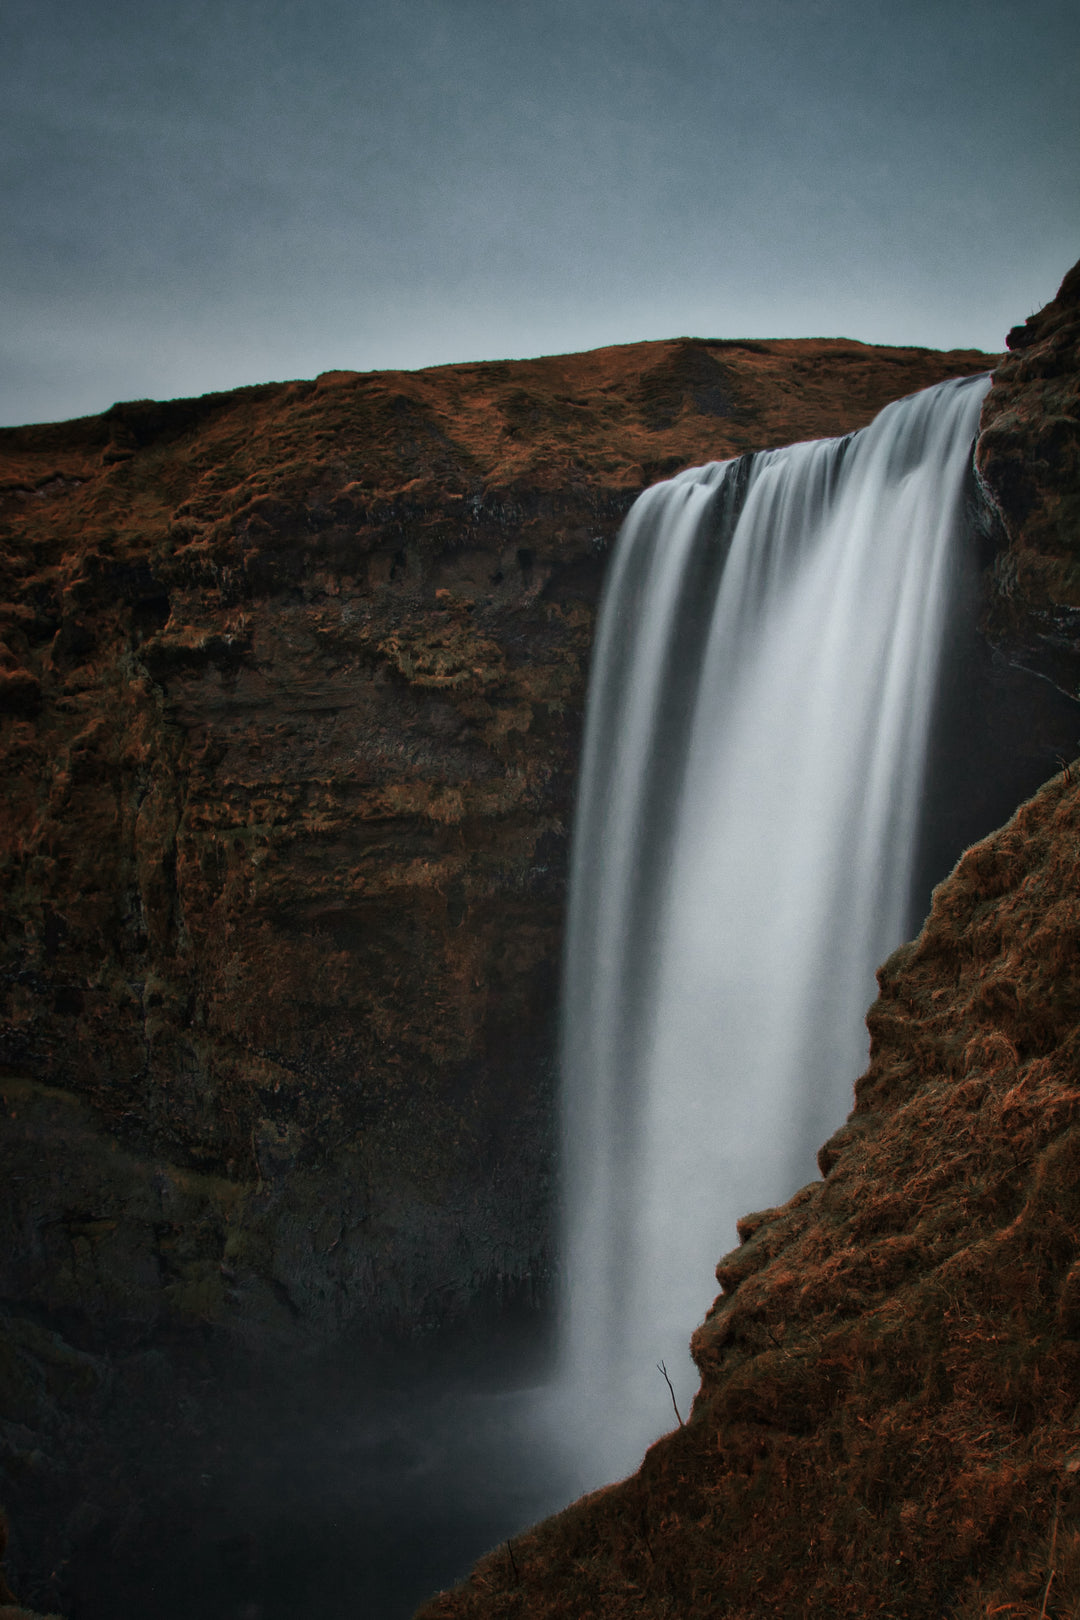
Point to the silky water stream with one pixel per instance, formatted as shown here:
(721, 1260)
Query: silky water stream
(762, 693)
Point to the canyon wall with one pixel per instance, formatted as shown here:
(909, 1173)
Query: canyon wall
(889, 1413)
(291, 683)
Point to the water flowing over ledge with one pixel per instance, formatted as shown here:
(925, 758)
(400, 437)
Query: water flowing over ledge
(763, 685)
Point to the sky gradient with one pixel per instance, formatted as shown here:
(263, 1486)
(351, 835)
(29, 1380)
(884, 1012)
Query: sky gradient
(216, 192)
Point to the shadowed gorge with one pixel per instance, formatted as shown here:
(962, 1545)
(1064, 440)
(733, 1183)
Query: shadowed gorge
(291, 684)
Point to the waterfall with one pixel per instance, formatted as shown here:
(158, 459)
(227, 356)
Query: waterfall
(763, 682)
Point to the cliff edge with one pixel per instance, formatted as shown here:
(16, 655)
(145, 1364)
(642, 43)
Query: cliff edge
(290, 694)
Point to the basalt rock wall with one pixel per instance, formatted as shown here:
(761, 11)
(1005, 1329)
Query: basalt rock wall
(291, 683)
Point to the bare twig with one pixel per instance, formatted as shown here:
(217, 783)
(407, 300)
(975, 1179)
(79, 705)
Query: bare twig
(1050, 1560)
(513, 1563)
(1046, 1594)
(661, 1368)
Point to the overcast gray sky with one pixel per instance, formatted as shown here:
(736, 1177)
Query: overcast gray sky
(203, 193)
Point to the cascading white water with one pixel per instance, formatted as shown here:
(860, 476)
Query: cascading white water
(763, 680)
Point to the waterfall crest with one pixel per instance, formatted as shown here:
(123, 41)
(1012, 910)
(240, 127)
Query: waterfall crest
(763, 681)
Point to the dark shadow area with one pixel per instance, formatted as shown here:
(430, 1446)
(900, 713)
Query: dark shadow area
(232, 1488)
(999, 732)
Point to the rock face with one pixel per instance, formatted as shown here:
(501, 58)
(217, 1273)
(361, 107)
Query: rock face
(290, 690)
(1029, 457)
(889, 1414)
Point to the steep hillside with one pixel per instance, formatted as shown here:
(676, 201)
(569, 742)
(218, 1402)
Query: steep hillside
(889, 1416)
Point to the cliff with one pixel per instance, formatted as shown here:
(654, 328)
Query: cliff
(1029, 458)
(889, 1413)
(290, 690)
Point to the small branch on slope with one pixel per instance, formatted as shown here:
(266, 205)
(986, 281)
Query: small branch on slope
(1050, 1560)
(661, 1368)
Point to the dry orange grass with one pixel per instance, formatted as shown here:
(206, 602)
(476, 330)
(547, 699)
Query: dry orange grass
(889, 1416)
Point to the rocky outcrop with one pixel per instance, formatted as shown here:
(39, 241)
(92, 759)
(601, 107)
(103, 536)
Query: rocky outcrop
(1029, 458)
(889, 1413)
(291, 682)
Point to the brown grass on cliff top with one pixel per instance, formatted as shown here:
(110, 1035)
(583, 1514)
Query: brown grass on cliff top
(372, 447)
(889, 1417)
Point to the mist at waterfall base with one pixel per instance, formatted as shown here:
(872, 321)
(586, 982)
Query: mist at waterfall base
(763, 684)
